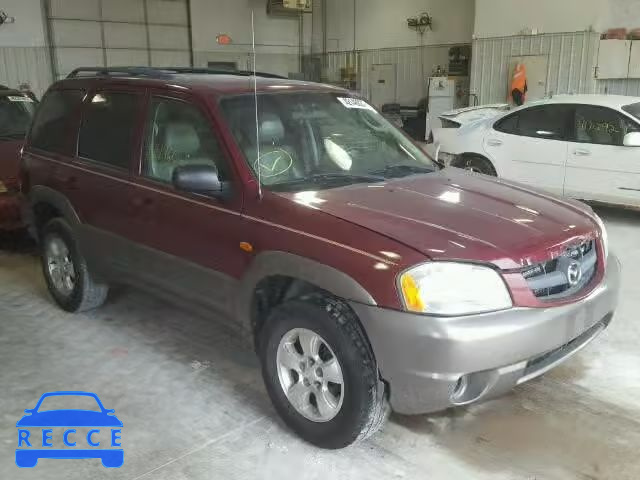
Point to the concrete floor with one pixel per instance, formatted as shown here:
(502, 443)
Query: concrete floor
(194, 407)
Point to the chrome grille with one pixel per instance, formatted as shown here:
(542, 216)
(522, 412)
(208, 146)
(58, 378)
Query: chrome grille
(565, 275)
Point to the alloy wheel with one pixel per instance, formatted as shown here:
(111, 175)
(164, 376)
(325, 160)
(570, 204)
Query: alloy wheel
(310, 375)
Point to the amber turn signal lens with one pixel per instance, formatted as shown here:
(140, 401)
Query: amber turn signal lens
(246, 246)
(411, 293)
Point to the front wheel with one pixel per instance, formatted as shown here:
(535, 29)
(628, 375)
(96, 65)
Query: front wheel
(320, 372)
(478, 164)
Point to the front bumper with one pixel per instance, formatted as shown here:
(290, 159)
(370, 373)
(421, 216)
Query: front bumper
(10, 206)
(432, 363)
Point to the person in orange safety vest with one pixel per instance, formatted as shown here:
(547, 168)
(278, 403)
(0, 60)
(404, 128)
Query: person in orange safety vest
(519, 87)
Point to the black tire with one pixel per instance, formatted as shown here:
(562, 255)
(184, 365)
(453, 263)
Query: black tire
(86, 293)
(477, 164)
(364, 406)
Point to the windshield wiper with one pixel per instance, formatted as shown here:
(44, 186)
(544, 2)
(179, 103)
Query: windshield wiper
(395, 171)
(12, 136)
(328, 178)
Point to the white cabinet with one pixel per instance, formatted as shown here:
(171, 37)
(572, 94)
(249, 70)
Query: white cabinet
(613, 58)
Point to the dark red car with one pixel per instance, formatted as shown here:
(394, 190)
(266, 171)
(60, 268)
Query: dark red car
(16, 112)
(366, 276)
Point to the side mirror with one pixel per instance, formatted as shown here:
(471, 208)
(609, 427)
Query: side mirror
(28, 410)
(202, 179)
(632, 139)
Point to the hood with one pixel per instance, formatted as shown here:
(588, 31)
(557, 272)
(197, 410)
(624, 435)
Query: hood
(466, 115)
(9, 158)
(453, 214)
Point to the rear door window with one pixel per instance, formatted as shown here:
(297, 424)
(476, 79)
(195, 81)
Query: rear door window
(108, 128)
(54, 126)
(545, 121)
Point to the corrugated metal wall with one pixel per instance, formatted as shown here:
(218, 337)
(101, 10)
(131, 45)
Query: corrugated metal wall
(572, 58)
(620, 87)
(413, 66)
(25, 65)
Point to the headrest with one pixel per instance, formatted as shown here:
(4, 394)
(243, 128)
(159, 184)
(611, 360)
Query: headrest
(182, 138)
(271, 128)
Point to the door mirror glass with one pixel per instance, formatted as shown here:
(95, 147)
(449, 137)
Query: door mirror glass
(632, 139)
(202, 179)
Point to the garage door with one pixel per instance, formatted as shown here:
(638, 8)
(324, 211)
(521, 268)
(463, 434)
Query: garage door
(87, 33)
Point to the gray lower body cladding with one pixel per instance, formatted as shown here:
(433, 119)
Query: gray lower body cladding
(432, 363)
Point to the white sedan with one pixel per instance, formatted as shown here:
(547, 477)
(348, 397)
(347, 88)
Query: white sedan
(581, 146)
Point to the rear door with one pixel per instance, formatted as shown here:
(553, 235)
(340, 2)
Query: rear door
(530, 146)
(600, 167)
(99, 182)
(189, 242)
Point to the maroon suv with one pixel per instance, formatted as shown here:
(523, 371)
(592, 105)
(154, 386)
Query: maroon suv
(16, 113)
(367, 277)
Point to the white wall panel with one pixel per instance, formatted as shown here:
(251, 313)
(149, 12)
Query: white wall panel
(171, 11)
(25, 65)
(164, 37)
(76, 33)
(84, 9)
(118, 31)
(122, 57)
(28, 29)
(123, 10)
(164, 58)
(70, 58)
(125, 35)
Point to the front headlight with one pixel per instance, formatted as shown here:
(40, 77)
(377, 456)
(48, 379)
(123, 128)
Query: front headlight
(448, 288)
(604, 237)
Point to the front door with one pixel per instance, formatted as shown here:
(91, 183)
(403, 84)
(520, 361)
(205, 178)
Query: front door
(530, 146)
(190, 243)
(600, 167)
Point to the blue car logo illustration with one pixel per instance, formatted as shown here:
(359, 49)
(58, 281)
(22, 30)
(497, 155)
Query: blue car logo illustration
(35, 433)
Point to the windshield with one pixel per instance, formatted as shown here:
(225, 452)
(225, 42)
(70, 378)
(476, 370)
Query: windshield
(633, 109)
(322, 140)
(16, 112)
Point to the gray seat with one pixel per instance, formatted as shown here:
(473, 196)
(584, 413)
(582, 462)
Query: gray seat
(278, 160)
(181, 146)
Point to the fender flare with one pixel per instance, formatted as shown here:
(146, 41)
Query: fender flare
(41, 194)
(271, 263)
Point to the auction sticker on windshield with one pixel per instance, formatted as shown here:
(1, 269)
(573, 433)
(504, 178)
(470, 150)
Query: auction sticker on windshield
(350, 102)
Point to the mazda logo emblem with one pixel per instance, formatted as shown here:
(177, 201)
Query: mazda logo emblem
(574, 273)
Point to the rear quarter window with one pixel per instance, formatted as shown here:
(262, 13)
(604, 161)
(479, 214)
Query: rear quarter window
(54, 121)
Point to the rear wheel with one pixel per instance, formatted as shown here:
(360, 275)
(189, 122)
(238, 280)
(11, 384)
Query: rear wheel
(320, 372)
(65, 270)
(478, 164)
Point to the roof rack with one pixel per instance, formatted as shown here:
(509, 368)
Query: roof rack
(161, 72)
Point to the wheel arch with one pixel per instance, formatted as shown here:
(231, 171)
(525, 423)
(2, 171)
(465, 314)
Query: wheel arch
(275, 276)
(44, 204)
(459, 161)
